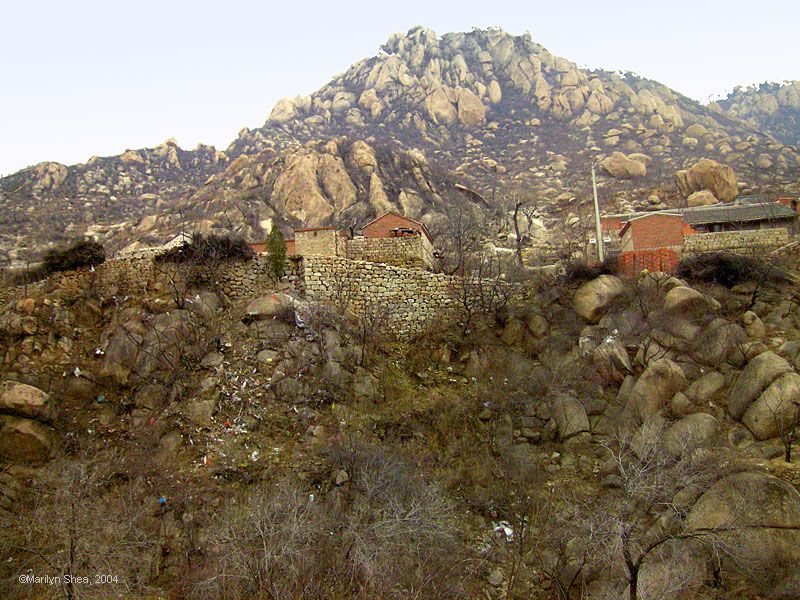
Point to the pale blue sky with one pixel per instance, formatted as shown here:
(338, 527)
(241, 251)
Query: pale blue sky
(85, 77)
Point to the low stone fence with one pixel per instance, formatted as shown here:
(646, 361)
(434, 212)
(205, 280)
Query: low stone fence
(747, 241)
(128, 275)
(133, 274)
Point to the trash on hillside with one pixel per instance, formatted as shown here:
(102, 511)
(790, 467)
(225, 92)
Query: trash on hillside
(504, 528)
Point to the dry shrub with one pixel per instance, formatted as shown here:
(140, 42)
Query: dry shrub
(204, 249)
(577, 272)
(86, 253)
(729, 269)
(384, 533)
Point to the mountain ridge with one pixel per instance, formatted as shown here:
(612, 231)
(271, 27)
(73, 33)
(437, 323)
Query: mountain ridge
(488, 107)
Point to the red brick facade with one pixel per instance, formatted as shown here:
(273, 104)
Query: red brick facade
(610, 224)
(653, 231)
(659, 259)
(382, 226)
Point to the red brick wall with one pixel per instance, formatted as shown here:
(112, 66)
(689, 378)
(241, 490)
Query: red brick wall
(381, 227)
(612, 224)
(659, 259)
(657, 231)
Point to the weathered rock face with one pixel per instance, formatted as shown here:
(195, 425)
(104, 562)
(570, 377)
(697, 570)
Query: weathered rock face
(466, 100)
(24, 440)
(776, 504)
(569, 415)
(103, 192)
(687, 301)
(697, 430)
(753, 325)
(623, 167)
(753, 380)
(776, 409)
(266, 307)
(314, 185)
(594, 297)
(121, 352)
(21, 400)
(707, 386)
(763, 513)
(774, 108)
(656, 386)
(701, 198)
(718, 342)
(709, 175)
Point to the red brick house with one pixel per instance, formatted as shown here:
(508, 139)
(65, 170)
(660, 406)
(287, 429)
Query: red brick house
(392, 224)
(652, 241)
(654, 230)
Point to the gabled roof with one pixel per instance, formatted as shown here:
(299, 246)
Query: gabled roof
(396, 214)
(641, 217)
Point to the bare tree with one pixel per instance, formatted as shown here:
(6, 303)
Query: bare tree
(349, 222)
(785, 415)
(648, 517)
(374, 322)
(481, 291)
(540, 530)
(80, 521)
(517, 203)
(380, 533)
(460, 236)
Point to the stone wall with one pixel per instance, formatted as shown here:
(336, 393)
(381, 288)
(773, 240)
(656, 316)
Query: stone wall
(246, 279)
(319, 241)
(134, 274)
(747, 241)
(408, 252)
(409, 298)
(128, 275)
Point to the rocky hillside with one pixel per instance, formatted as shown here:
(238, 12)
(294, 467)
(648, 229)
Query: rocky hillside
(485, 106)
(51, 203)
(773, 108)
(199, 448)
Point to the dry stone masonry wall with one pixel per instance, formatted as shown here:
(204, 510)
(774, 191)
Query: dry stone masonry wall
(411, 298)
(399, 251)
(749, 242)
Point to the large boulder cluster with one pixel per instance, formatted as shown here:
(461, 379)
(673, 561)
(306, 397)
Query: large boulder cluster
(697, 382)
(26, 417)
(707, 176)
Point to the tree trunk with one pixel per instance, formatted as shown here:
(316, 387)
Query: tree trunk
(518, 239)
(633, 580)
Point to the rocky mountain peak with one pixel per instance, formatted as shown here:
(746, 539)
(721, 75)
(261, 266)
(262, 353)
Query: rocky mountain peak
(486, 108)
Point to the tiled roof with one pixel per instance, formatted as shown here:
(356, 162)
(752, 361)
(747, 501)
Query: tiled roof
(721, 213)
(737, 213)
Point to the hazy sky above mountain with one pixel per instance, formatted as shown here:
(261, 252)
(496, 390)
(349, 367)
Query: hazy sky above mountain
(89, 77)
